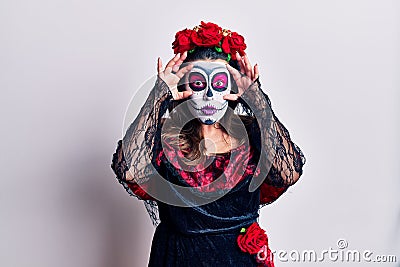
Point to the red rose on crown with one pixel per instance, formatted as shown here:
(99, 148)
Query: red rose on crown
(232, 43)
(183, 41)
(208, 34)
(236, 42)
(225, 46)
(255, 241)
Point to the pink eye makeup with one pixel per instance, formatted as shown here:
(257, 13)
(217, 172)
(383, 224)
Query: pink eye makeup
(220, 81)
(197, 81)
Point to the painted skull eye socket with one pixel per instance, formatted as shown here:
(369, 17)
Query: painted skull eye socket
(220, 81)
(197, 81)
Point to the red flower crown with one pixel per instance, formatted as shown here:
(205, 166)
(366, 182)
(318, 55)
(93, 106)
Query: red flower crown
(209, 35)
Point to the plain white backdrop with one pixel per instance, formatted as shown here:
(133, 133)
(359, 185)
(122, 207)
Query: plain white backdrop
(68, 70)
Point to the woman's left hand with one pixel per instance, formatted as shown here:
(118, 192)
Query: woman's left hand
(244, 78)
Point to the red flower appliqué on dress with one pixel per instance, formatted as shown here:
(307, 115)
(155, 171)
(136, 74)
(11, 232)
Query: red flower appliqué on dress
(254, 240)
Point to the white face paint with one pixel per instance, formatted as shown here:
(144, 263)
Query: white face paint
(210, 81)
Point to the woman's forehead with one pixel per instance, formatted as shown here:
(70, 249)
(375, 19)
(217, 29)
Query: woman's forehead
(208, 66)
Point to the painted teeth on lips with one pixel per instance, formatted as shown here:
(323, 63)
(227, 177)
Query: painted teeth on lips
(208, 110)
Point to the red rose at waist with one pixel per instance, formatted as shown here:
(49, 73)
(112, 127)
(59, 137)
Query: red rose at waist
(253, 239)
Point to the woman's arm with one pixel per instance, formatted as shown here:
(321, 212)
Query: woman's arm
(281, 159)
(285, 158)
(132, 161)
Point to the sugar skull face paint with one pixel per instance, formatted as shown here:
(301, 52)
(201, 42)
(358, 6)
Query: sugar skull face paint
(210, 81)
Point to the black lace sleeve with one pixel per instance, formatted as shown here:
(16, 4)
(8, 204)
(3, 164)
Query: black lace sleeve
(132, 160)
(281, 160)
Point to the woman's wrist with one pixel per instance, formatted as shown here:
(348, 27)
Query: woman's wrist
(250, 94)
(164, 88)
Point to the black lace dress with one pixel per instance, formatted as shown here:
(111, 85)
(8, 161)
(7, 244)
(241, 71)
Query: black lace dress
(247, 178)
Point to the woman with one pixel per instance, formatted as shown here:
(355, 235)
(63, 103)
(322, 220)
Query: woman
(206, 153)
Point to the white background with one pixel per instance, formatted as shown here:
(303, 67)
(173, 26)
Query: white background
(69, 68)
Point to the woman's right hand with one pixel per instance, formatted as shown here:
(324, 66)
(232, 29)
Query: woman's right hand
(171, 75)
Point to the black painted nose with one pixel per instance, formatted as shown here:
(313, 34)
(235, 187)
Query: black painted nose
(209, 93)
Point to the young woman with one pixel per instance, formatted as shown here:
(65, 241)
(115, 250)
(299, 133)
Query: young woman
(206, 153)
